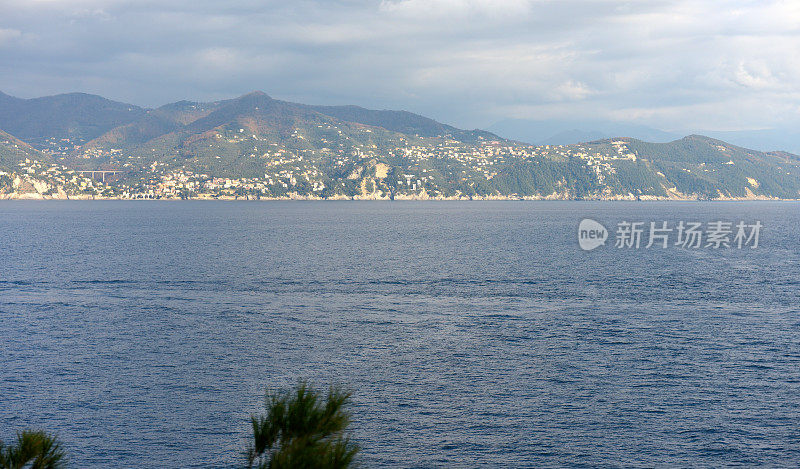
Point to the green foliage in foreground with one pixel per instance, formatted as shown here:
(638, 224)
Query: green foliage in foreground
(303, 430)
(34, 449)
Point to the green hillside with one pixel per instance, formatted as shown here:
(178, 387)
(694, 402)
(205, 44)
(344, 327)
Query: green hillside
(14, 151)
(78, 117)
(257, 146)
(712, 168)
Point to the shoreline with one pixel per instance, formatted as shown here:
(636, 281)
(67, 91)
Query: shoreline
(39, 197)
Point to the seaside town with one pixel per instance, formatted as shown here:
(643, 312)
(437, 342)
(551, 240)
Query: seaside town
(441, 168)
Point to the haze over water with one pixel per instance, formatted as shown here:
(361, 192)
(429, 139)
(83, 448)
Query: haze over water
(472, 334)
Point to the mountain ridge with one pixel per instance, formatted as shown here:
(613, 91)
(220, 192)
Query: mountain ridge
(73, 116)
(257, 146)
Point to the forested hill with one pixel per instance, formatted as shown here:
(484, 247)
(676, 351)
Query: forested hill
(74, 116)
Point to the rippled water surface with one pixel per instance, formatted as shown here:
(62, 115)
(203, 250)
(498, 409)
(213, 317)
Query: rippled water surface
(472, 334)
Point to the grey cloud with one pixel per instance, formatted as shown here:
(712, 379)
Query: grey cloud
(667, 64)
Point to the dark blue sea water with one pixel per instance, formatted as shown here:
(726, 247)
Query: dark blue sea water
(472, 334)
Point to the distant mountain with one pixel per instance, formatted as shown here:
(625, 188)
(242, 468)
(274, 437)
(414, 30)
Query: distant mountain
(260, 114)
(75, 116)
(225, 137)
(186, 112)
(787, 139)
(155, 123)
(566, 132)
(257, 146)
(402, 122)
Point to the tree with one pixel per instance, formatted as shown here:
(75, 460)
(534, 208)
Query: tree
(36, 448)
(300, 431)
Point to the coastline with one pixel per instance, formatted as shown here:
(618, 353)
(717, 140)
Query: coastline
(403, 197)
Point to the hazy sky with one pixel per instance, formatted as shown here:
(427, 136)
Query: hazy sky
(717, 65)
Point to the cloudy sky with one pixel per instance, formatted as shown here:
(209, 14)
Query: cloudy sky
(674, 65)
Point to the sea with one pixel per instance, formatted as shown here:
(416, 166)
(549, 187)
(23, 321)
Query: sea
(471, 334)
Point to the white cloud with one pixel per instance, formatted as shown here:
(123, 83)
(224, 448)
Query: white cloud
(9, 35)
(438, 9)
(755, 75)
(574, 90)
(220, 58)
